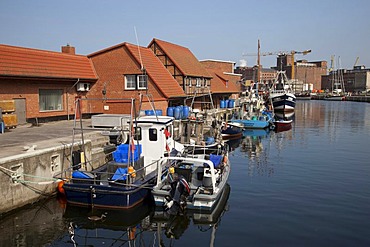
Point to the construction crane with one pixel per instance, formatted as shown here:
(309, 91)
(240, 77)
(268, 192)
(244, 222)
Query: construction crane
(356, 62)
(259, 54)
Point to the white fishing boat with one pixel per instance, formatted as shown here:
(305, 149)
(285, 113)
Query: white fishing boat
(192, 183)
(125, 181)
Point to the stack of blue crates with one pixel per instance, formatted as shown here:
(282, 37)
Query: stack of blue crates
(122, 152)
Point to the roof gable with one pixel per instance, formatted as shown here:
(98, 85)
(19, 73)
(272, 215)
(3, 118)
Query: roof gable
(183, 58)
(156, 71)
(221, 84)
(27, 62)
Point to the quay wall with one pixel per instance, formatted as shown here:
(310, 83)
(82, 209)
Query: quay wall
(28, 177)
(358, 98)
(348, 98)
(33, 175)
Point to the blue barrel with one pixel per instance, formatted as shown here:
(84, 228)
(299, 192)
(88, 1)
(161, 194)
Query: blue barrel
(170, 111)
(158, 112)
(222, 104)
(181, 111)
(226, 103)
(185, 112)
(176, 113)
(231, 103)
(149, 112)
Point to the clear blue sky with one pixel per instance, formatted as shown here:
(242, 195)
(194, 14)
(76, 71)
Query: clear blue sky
(217, 29)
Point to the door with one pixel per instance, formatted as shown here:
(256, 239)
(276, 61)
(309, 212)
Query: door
(20, 110)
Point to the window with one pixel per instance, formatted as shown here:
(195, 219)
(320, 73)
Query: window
(142, 81)
(189, 82)
(137, 135)
(50, 100)
(130, 82)
(133, 82)
(199, 83)
(153, 134)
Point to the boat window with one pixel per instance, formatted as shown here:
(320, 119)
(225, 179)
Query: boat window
(137, 134)
(153, 134)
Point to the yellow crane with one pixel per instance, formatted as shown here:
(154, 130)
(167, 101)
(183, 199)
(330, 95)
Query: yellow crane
(259, 54)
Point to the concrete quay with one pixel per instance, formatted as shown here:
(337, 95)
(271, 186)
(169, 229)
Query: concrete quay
(30, 156)
(357, 98)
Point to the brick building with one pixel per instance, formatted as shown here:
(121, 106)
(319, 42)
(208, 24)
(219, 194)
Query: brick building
(44, 84)
(307, 74)
(249, 77)
(125, 71)
(355, 80)
(225, 83)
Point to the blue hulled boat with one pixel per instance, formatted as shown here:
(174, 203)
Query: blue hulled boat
(126, 179)
(265, 120)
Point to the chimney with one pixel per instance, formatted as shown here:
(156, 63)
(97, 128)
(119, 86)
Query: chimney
(68, 49)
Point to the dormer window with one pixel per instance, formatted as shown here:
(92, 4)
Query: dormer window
(133, 82)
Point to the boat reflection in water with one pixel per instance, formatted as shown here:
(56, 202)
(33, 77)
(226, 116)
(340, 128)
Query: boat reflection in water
(253, 148)
(252, 144)
(144, 224)
(98, 227)
(285, 115)
(283, 121)
(170, 228)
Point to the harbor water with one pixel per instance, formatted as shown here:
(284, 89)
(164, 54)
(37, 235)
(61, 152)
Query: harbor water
(306, 186)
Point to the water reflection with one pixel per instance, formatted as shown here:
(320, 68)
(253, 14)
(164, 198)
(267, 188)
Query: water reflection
(144, 225)
(97, 227)
(33, 225)
(170, 228)
(251, 144)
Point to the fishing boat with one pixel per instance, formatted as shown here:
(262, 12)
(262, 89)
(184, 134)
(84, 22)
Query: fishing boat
(264, 120)
(303, 96)
(338, 92)
(231, 131)
(170, 227)
(281, 95)
(193, 182)
(125, 180)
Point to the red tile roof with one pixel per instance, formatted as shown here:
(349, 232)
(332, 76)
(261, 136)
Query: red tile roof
(183, 58)
(220, 83)
(156, 71)
(27, 62)
(154, 68)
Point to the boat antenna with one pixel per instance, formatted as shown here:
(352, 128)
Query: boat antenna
(138, 48)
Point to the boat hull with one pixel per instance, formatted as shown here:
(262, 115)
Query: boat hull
(100, 196)
(283, 101)
(205, 190)
(231, 132)
(252, 124)
(335, 98)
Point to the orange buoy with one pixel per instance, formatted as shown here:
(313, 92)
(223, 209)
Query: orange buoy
(60, 187)
(131, 171)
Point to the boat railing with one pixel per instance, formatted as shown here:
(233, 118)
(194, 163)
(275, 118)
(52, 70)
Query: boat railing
(278, 91)
(112, 173)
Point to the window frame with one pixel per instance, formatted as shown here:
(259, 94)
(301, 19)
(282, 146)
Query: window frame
(57, 105)
(135, 82)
